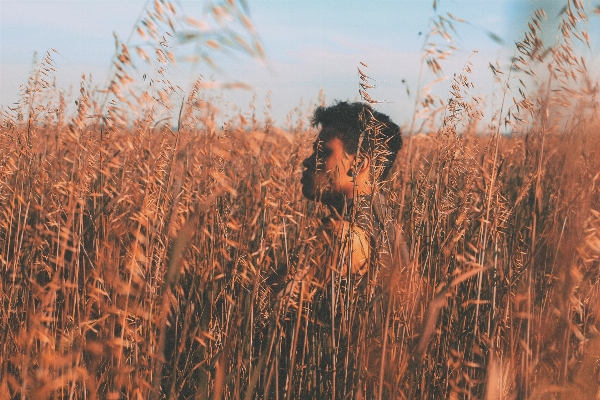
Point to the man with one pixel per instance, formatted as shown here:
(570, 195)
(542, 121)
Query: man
(352, 155)
(344, 292)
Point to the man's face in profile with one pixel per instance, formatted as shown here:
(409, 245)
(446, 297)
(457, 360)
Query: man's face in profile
(328, 170)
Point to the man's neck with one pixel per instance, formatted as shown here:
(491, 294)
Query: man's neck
(342, 208)
(339, 208)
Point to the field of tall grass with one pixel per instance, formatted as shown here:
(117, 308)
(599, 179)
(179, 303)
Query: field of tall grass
(143, 261)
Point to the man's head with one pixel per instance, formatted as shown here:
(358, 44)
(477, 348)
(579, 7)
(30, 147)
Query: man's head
(356, 147)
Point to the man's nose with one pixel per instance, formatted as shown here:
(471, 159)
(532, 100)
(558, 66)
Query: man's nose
(307, 163)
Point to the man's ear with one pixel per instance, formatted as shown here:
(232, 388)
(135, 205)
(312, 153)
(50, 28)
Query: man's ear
(362, 165)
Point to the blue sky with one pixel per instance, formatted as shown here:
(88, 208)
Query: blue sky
(310, 45)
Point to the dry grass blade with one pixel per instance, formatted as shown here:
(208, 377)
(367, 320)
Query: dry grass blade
(138, 260)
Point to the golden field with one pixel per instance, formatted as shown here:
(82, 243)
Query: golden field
(136, 257)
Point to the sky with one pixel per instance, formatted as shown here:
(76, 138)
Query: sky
(310, 46)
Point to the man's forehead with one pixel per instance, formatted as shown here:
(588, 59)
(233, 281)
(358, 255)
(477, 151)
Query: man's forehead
(329, 144)
(329, 132)
(326, 141)
(327, 135)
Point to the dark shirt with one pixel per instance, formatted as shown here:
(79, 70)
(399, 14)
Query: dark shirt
(388, 252)
(336, 344)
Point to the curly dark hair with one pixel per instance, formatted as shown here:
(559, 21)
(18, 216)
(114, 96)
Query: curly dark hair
(357, 123)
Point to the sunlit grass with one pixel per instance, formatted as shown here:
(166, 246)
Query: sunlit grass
(142, 261)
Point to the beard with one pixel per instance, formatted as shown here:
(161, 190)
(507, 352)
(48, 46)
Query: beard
(315, 189)
(308, 187)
